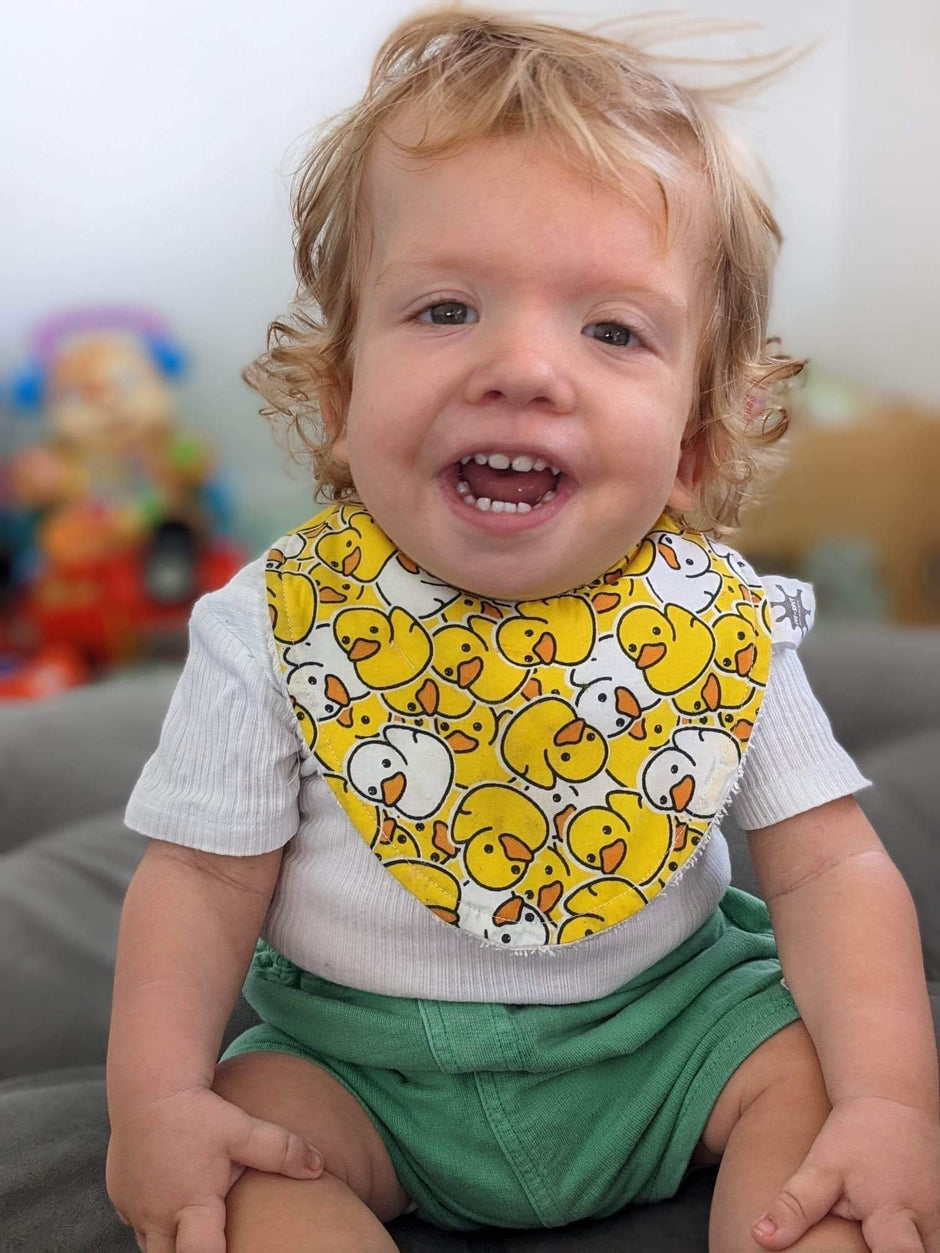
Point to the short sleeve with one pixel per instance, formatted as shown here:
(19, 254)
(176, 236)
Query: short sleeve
(793, 762)
(225, 776)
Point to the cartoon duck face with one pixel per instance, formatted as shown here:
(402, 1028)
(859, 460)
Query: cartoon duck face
(501, 830)
(464, 655)
(394, 842)
(736, 647)
(705, 696)
(473, 741)
(387, 650)
(690, 775)
(682, 573)
(611, 689)
(626, 838)
(516, 923)
(739, 722)
(648, 733)
(321, 676)
(336, 591)
(560, 629)
(406, 770)
(740, 665)
(324, 695)
(359, 550)
(547, 741)
(550, 876)
(672, 647)
(362, 719)
(428, 698)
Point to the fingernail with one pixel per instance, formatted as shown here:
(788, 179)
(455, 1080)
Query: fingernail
(314, 1161)
(766, 1226)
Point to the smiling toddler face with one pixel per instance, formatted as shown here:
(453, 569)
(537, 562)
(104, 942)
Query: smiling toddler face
(525, 364)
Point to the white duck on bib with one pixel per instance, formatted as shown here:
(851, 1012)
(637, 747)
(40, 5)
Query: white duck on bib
(406, 770)
(691, 775)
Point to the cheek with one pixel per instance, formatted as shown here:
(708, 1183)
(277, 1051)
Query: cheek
(392, 405)
(648, 454)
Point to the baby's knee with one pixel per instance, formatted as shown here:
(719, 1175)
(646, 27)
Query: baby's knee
(299, 1095)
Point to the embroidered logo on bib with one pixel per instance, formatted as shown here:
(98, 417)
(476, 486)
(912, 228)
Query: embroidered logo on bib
(534, 771)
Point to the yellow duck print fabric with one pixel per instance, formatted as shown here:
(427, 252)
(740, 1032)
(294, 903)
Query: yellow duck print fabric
(534, 772)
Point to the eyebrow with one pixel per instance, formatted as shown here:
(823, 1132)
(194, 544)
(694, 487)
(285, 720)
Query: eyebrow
(670, 304)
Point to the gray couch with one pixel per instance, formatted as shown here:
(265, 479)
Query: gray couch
(66, 766)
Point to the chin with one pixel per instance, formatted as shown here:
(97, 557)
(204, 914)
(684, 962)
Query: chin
(512, 588)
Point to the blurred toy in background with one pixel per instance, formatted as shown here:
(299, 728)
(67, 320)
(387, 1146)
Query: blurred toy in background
(116, 518)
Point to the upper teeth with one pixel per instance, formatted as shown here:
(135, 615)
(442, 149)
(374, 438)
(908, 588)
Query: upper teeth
(500, 461)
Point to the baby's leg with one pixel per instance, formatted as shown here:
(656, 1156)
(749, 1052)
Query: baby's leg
(343, 1210)
(762, 1126)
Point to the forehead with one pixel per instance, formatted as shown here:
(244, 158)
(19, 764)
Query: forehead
(523, 197)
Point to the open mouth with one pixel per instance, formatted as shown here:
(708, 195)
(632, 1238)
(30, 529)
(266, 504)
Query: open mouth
(506, 483)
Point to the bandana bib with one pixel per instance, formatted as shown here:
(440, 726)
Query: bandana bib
(534, 772)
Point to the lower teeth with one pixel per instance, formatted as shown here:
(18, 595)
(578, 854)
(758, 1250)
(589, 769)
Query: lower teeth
(486, 505)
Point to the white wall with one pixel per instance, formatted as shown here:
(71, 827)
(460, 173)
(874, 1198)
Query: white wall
(149, 147)
(887, 330)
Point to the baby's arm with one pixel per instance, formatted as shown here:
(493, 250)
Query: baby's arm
(188, 929)
(850, 950)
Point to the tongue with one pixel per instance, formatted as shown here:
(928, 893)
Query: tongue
(514, 485)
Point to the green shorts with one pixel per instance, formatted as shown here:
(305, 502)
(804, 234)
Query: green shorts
(539, 1115)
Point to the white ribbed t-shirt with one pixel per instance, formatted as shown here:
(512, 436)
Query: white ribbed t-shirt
(229, 776)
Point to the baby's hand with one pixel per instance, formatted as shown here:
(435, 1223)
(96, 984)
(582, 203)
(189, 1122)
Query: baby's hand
(171, 1164)
(876, 1161)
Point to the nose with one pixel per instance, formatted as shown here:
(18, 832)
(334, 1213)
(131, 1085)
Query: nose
(522, 371)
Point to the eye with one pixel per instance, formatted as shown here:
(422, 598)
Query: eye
(444, 313)
(615, 334)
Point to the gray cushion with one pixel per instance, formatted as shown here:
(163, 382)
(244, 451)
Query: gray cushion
(876, 683)
(77, 754)
(60, 901)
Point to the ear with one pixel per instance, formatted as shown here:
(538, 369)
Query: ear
(688, 473)
(756, 404)
(335, 424)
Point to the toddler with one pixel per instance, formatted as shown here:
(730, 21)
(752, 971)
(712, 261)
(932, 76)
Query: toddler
(459, 746)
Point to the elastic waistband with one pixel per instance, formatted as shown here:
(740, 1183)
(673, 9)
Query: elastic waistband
(456, 1037)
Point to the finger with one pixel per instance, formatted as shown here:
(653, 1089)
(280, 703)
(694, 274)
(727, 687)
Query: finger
(266, 1146)
(892, 1231)
(804, 1199)
(201, 1228)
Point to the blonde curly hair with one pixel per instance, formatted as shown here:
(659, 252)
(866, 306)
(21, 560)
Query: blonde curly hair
(483, 74)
